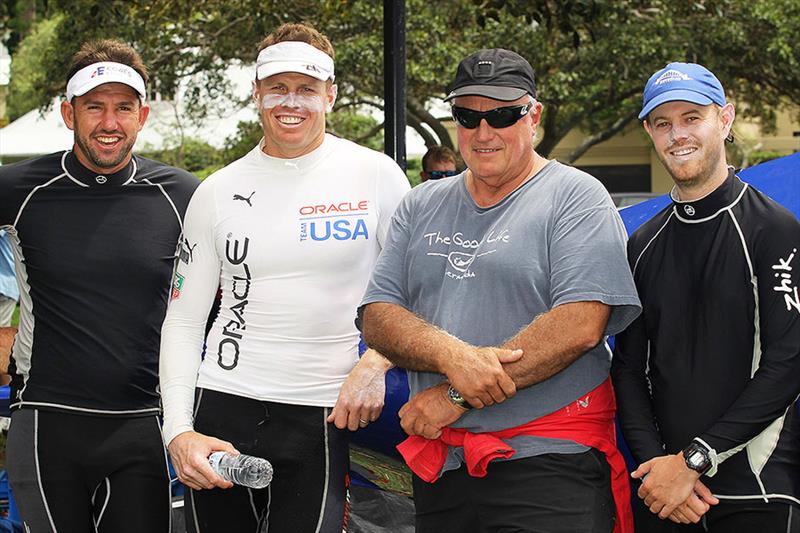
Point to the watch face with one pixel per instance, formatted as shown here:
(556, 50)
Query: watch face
(696, 459)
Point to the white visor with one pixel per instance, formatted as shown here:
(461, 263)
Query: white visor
(294, 56)
(96, 74)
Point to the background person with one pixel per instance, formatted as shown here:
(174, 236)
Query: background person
(95, 231)
(291, 232)
(496, 290)
(707, 376)
(437, 163)
(9, 295)
(9, 291)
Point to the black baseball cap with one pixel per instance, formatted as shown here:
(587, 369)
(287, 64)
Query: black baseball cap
(494, 73)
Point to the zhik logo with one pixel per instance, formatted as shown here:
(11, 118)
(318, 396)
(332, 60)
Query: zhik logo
(786, 285)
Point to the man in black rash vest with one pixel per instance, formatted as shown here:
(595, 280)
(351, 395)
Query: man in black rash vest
(94, 232)
(707, 376)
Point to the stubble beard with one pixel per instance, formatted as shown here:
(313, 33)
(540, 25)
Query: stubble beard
(694, 174)
(99, 161)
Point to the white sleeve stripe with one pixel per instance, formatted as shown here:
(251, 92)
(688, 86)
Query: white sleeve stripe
(33, 191)
(636, 264)
(169, 199)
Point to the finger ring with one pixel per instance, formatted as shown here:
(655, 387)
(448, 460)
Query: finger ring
(362, 422)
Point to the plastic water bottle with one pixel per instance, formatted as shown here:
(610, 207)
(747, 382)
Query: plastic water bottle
(245, 470)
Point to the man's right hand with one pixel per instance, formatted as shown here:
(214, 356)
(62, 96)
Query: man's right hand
(479, 377)
(695, 506)
(189, 452)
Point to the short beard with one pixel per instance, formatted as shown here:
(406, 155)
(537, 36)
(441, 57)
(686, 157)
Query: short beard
(95, 158)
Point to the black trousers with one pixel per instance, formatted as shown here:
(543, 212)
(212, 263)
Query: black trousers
(552, 493)
(74, 473)
(726, 517)
(310, 461)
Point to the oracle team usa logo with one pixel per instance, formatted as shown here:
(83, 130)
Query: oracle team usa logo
(340, 221)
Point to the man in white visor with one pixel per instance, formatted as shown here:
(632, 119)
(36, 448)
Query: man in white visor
(290, 232)
(94, 231)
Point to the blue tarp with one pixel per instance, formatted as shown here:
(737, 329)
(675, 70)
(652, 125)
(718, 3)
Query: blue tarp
(779, 179)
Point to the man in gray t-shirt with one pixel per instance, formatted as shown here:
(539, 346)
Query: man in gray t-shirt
(496, 290)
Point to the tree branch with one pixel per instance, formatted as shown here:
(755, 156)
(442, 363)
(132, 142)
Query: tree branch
(415, 106)
(373, 131)
(601, 136)
(416, 123)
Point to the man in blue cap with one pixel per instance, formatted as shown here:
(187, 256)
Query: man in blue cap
(706, 377)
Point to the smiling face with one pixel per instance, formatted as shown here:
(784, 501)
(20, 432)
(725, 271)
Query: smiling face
(106, 121)
(500, 158)
(690, 141)
(292, 107)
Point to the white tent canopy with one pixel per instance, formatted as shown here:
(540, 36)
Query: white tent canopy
(35, 134)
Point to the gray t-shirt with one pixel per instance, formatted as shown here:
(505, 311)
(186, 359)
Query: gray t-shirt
(483, 274)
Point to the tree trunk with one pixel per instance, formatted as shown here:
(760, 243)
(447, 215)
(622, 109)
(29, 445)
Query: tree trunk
(601, 136)
(435, 124)
(416, 124)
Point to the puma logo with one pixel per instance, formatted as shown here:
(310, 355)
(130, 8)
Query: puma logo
(244, 199)
(187, 254)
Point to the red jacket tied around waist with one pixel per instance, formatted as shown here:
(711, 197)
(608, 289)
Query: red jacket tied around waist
(589, 420)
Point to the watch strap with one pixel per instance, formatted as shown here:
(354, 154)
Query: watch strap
(456, 398)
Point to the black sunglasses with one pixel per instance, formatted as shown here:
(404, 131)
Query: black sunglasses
(500, 117)
(439, 174)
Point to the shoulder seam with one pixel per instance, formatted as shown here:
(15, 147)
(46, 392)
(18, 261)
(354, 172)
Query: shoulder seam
(639, 257)
(33, 191)
(169, 199)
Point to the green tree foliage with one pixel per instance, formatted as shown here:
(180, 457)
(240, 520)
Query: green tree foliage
(30, 82)
(191, 154)
(592, 57)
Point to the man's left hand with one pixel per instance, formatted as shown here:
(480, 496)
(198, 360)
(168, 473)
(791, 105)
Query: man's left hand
(668, 484)
(429, 411)
(696, 505)
(361, 396)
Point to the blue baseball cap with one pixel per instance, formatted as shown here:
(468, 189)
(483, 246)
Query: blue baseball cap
(686, 82)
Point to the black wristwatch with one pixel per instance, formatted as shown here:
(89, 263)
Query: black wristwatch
(697, 457)
(456, 399)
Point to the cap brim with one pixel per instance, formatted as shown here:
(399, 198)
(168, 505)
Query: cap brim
(505, 94)
(677, 95)
(301, 67)
(110, 78)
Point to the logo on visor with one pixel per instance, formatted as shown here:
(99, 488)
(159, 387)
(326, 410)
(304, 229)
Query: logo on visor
(99, 71)
(672, 75)
(313, 68)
